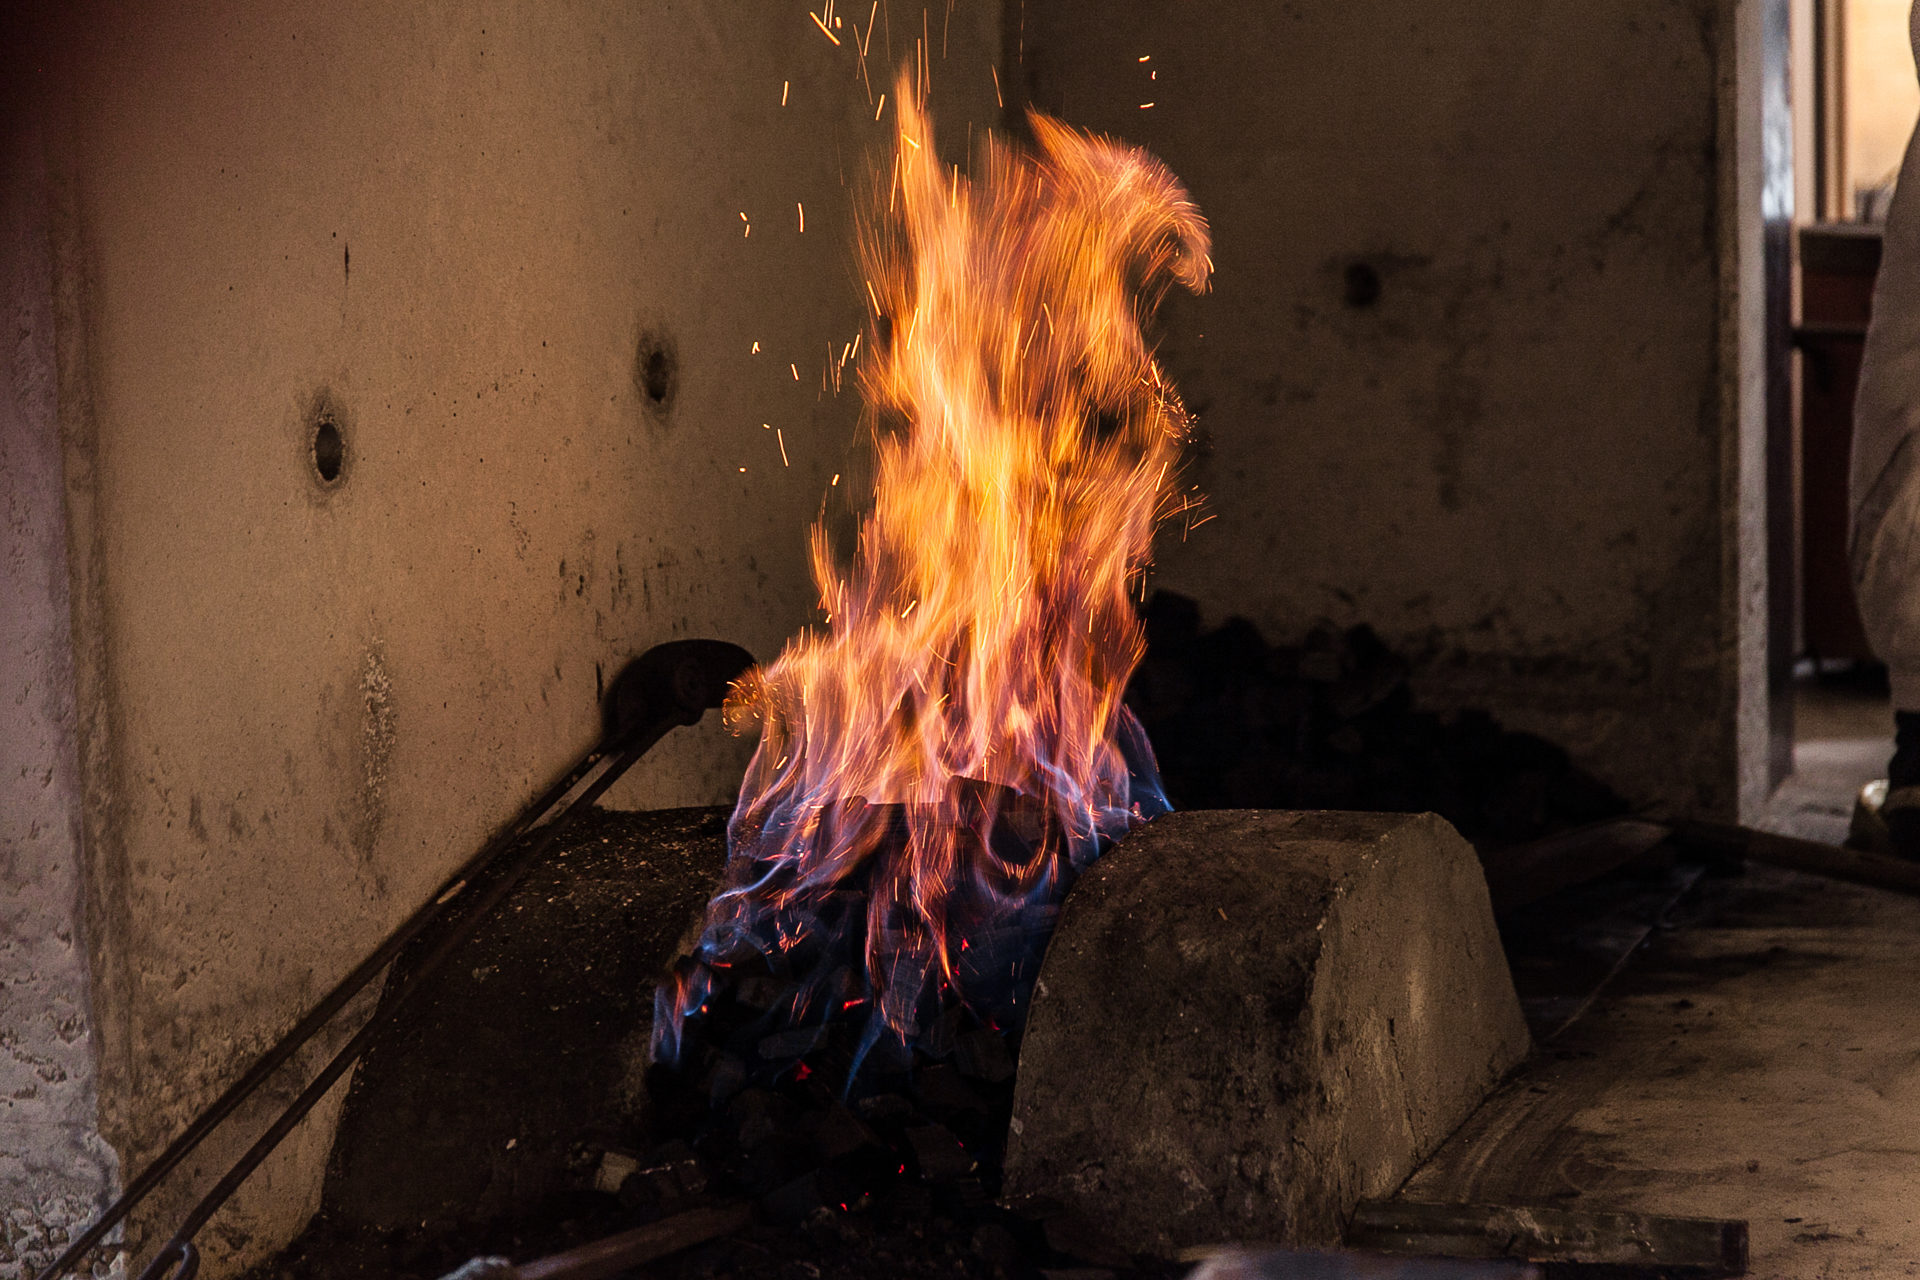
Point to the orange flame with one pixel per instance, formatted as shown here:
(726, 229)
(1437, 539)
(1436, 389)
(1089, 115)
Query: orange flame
(940, 761)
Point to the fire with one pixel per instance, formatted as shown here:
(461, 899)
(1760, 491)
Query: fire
(939, 761)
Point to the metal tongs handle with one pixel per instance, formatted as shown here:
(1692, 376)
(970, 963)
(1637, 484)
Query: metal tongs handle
(669, 685)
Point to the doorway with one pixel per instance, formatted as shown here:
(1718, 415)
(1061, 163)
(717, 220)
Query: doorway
(1852, 99)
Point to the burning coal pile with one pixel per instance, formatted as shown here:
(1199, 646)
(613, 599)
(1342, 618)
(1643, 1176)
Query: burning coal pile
(941, 759)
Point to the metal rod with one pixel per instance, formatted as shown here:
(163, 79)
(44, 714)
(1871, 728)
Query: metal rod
(614, 1254)
(321, 1014)
(671, 684)
(317, 1088)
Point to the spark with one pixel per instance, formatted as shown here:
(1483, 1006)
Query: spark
(748, 227)
(823, 27)
(1145, 105)
(784, 86)
(1145, 57)
(882, 107)
(756, 349)
(803, 216)
(783, 448)
(998, 101)
(835, 481)
(796, 371)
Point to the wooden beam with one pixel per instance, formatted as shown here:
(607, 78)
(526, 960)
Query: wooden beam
(1830, 860)
(1628, 1244)
(615, 1254)
(1522, 874)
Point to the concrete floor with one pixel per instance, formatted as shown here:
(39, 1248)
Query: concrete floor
(1757, 1058)
(1843, 735)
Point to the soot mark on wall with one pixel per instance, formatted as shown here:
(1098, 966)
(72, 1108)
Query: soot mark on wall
(325, 443)
(656, 372)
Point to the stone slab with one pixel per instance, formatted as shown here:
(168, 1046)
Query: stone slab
(1249, 1021)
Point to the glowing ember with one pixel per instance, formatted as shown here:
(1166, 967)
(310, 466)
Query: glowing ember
(937, 765)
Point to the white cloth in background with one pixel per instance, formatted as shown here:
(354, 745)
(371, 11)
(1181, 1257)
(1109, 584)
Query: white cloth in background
(1884, 542)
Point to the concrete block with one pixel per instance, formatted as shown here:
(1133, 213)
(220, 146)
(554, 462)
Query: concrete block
(1249, 1021)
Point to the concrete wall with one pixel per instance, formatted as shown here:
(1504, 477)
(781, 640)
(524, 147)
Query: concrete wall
(1461, 376)
(458, 232)
(55, 1171)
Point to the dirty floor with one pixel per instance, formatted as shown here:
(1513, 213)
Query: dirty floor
(1843, 735)
(1759, 1058)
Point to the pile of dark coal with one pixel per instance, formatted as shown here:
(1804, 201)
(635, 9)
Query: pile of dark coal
(1330, 723)
(767, 1108)
(862, 1159)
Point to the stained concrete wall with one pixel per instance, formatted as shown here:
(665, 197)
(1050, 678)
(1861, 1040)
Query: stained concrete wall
(55, 1170)
(1461, 376)
(459, 233)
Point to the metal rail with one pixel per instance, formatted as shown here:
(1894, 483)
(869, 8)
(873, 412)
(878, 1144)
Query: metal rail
(669, 685)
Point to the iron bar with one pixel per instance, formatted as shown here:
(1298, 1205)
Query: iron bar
(671, 684)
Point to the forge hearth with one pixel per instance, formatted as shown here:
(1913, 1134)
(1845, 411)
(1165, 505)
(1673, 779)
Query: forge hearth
(1248, 1021)
(1244, 1022)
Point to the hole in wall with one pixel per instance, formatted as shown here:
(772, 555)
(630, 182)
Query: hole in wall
(1362, 284)
(329, 449)
(656, 371)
